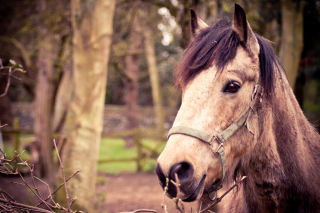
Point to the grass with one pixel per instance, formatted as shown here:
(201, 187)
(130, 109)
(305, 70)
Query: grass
(114, 149)
(8, 149)
(109, 149)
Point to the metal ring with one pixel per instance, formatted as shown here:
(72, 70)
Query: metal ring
(215, 196)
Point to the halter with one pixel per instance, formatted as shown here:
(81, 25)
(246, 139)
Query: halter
(224, 135)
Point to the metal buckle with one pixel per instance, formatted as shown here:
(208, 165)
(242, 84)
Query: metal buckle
(220, 145)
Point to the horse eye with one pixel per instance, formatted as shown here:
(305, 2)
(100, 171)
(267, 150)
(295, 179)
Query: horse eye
(232, 87)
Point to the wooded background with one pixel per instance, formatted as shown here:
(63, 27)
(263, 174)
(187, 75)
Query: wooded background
(81, 55)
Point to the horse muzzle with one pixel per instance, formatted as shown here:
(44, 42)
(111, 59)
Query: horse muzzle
(189, 187)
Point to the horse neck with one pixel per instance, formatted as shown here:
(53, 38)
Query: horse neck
(286, 157)
(292, 135)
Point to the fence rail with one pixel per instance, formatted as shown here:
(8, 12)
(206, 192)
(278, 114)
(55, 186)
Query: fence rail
(138, 134)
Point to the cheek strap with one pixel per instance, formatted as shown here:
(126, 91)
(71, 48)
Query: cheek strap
(222, 136)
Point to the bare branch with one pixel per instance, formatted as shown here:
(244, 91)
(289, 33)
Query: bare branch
(177, 200)
(144, 210)
(8, 204)
(164, 206)
(237, 183)
(16, 205)
(11, 71)
(64, 177)
(24, 53)
(59, 188)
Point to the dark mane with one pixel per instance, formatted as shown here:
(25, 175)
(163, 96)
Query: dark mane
(218, 44)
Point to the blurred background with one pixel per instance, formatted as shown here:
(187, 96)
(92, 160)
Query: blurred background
(99, 79)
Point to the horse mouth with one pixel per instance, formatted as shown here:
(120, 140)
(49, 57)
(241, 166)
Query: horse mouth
(189, 190)
(214, 187)
(196, 192)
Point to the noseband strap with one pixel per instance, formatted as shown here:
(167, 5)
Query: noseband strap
(222, 136)
(191, 132)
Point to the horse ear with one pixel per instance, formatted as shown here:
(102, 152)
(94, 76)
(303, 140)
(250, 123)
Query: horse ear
(241, 26)
(196, 24)
(239, 23)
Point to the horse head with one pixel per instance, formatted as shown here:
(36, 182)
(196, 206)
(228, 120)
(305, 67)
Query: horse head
(220, 78)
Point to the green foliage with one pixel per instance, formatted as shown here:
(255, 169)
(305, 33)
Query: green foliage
(311, 102)
(13, 63)
(31, 199)
(101, 197)
(149, 166)
(101, 180)
(9, 150)
(311, 107)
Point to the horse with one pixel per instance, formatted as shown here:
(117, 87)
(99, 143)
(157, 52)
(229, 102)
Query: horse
(239, 117)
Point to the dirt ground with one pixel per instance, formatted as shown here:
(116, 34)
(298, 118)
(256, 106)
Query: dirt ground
(129, 192)
(125, 192)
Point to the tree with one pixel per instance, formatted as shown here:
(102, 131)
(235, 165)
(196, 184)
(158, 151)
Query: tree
(153, 72)
(132, 62)
(92, 30)
(45, 89)
(292, 37)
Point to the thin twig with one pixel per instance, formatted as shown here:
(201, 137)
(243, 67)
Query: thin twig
(6, 194)
(63, 175)
(72, 201)
(8, 204)
(144, 210)
(8, 84)
(10, 74)
(164, 206)
(3, 126)
(220, 198)
(50, 195)
(34, 190)
(177, 199)
(62, 184)
(23, 206)
(200, 206)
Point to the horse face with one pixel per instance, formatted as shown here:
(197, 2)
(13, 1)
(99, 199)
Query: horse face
(211, 102)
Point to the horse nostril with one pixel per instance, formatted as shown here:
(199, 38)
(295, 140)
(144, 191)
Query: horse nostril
(184, 171)
(161, 176)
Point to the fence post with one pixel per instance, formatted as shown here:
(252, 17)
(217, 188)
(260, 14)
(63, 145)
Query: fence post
(16, 125)
(139, 151)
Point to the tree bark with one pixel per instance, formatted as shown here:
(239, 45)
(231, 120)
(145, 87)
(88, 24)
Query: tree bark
(184, 22)
(44, 95)
(132, 62)
(63, 91)
(292, 38)
(92, 30)
(154, 76)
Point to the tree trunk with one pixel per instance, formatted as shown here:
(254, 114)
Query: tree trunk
(44, 95)
(92, 30)
(63, 93)
(62, 101)
(292, 38)
(154, 76)
(132, 60)
(184, 22)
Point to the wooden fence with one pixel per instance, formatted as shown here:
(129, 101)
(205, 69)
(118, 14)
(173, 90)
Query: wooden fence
(138, 134)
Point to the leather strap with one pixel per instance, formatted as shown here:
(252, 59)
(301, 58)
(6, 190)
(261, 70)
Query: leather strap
(192, 133)
(222, 136)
